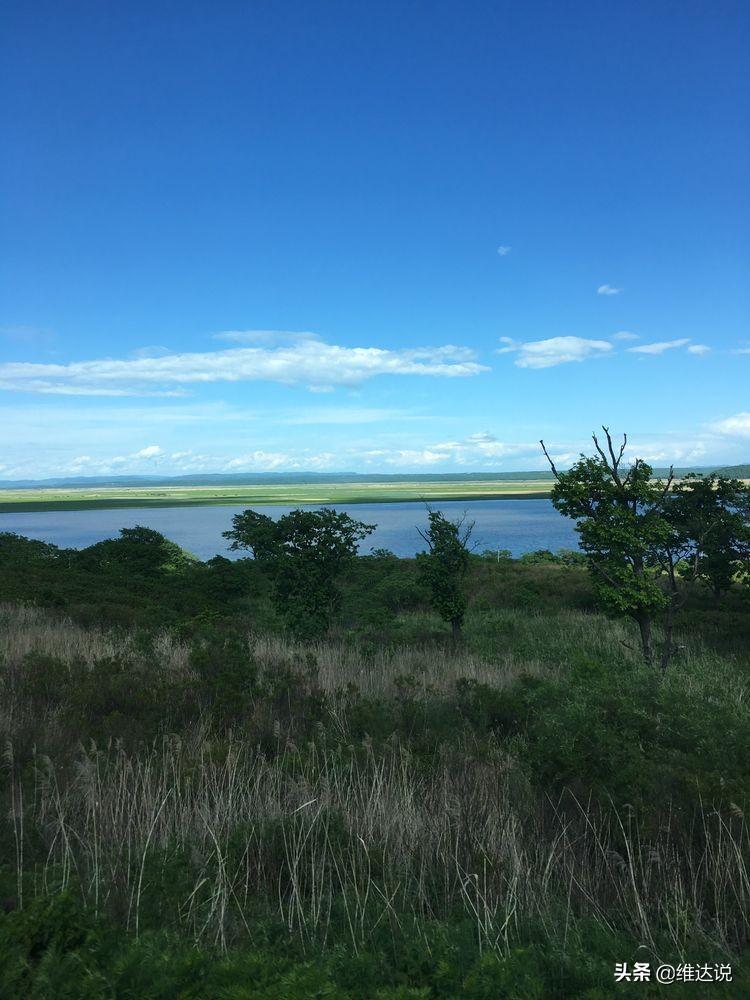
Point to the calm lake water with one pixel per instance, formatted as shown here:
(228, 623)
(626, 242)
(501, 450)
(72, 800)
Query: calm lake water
(518, 525)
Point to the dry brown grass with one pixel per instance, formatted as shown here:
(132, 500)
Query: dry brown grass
(435, 666)
(376, 835)
(26, 629)
(327, 825)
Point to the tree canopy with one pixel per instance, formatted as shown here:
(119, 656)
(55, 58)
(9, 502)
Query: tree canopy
(621, 520)
(444, 566)
(304, 552)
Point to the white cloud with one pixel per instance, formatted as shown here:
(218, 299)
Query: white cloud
(625, 335)
(486, 445)
(477, 450)
(669, 452)
(699, 349)
(510, 345)
(118, 464)
(270, 461)
(504, 251)
(43, 388)
(152, 451)
(660, 346)
(150, 351)
(263, 460)
(738, 425)
(554, 351)
(608, 290)
(307, 361)
(411, 457)
(264, 336)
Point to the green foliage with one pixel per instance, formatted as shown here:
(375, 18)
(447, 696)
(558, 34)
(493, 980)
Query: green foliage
(711, 517)
(542, 715)
(495, 555)
(56, 948)
(304, 552)
(138, 550)
(15, 550)
(563, 557)
(444, 566)
(622, 529)
(144, 584)
(625, 534)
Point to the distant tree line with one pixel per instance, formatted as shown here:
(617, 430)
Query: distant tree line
(646, 541)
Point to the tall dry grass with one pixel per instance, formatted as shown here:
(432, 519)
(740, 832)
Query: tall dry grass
(26, 629)
(341, 831)
(332, 833)
(432, 666)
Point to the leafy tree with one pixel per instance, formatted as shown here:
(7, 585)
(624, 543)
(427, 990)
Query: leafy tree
(138, 550)
(15, 549)
(304, 552)
(496, 555)
(629, 542)
(444, 566)
(711, 515)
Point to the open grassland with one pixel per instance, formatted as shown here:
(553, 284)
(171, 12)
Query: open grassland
(194, 805)
(19, 500)
(14, 501)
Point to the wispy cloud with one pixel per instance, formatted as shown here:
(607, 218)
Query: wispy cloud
(307, 361)
(625, 335)
(608, 290)
(660, 346)
(45, 388)
(554, 351)
(669, 451)
(736, 426)
(150, 451)
(151, 351)
(265, 461)
(481, 449)
(118, 464)
(699, 349)
(504, 251)
(264, 337)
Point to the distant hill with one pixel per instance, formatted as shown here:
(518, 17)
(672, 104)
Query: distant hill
(309, 478)
(734, 471)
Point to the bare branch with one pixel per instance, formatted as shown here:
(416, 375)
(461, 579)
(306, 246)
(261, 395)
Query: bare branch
(552, 464)
(425, 537)
(599, 449)
(670, 480)
(615, 459)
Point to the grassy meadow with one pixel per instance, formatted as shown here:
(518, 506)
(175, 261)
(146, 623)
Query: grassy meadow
(195, 805)
(289, 494)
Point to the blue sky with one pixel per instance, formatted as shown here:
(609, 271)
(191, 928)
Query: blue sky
(378, 237)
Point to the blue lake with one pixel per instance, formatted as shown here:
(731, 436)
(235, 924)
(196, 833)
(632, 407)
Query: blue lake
(518, 525)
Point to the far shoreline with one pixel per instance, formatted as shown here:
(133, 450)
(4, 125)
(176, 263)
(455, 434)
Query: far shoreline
(285, 499)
